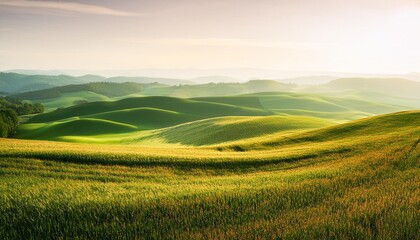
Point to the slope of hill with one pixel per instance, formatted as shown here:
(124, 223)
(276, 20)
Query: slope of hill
(219, 89)
(148, 113)
(309, 80)
(333, 107)
(167, 81)
(14, 82)
(389, 86)
(197, 108)
(215, 79)
(107, 89)
(19, 83)
(70, 99)
(226, 129)
(377, 126)
(351, 181)
(143, 113)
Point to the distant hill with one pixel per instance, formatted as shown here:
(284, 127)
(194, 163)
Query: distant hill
(64, 96)
(92, 78)
(199, 109)
(309, 80)
(215, 79)
(107, 89)
(15, 83)
(225, 129)
(220, 89)
(167, 81)
(390, 86)
(19, 83)
(140, 114)
(127, 115)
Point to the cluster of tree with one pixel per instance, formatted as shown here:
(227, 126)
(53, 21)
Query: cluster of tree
(8, 122)
(21, 108)
(10, 108)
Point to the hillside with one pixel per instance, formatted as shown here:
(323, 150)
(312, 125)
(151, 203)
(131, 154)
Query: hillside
(387, 124)
(226, 129)
(166, 81)
(19, 83)
(149, 113)
(311, 104)
(389, 86)
(142, 113)
(220, 89)
(107, 89)
(215, 79)
(340, 96)
(15, 83)
(197, 108)
(351, 181)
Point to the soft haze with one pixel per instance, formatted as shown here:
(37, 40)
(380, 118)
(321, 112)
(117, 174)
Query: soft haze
(325, 35)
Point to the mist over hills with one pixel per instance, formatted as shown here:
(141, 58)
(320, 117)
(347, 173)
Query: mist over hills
(393, 86)
(253, 129)
(18, 83)
(214, 75)
(14, 82)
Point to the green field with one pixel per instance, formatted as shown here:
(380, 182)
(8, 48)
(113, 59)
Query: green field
(194, 119)
(266, 165)
(358, 180)
(143, 119)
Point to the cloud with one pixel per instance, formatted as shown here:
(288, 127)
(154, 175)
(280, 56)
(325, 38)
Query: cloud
(69, 7)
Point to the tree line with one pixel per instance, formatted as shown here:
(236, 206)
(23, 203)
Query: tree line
(10, 109)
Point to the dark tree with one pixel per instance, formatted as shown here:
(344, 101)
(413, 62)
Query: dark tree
(8, 122)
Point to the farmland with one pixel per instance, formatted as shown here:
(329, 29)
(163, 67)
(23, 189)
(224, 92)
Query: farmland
(285, 120)
(168, 119)
(353, 180)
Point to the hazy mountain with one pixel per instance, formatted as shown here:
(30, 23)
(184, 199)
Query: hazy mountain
(391, 86)
(14, 82)
(107, 89)
(309, 80)
(168, 81)
(92, 78)
(221, 89)
(215, 79)
(39, 72)
(18, 83)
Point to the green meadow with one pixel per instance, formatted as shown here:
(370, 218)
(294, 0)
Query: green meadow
(109, 161)
(357, 180)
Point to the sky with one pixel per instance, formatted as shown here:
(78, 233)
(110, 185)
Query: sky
(366, 36)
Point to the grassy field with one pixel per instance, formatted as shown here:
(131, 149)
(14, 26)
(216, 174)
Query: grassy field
(133, 119)
(358, 180)
(70, 99)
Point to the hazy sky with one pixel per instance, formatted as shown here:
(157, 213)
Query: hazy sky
(299, 35)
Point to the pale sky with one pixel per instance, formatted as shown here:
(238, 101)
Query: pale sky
(372, 36)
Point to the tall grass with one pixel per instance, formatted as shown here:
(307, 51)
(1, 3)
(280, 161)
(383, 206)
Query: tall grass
(349, 186)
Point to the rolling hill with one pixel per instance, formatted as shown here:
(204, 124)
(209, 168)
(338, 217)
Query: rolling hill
(166, 81)
(388, 86)
(142, 113)
(350, 181)
(107, 89)
(342, 95)
(74, 94)
(226, 129)
(192, 107)
(219, 89)
(19, 83)
(168, 119)
(16, 83)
